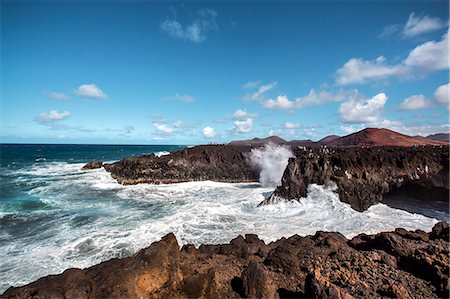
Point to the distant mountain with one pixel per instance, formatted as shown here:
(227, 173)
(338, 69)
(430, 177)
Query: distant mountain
(306, 142)
(328, 138)
(259, 141)
(381, 137)
(439, 136)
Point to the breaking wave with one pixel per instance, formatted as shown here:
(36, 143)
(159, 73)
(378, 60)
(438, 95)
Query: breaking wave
(271, 160)
(75, 218)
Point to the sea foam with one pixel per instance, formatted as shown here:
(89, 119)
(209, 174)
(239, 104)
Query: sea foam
(89, 218)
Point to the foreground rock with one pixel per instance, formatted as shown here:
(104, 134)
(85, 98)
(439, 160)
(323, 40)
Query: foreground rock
(221, 163)
(400, 264)
(364, 175)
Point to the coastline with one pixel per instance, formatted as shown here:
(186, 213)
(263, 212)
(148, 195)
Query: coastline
(399, 264)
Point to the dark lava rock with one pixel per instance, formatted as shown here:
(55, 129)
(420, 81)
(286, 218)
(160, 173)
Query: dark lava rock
(221, 163)
(364, 175)
(93, 165)
(399, 264)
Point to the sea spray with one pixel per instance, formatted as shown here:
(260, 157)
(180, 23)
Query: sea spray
(271, 160)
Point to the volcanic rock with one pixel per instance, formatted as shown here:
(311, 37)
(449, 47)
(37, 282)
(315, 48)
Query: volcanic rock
(399, 264)
(221, 163)
(364, 175)
(92, 165)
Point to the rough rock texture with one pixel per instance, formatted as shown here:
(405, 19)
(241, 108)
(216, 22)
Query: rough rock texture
(222, 163)
(400, 264)
(93, 165)
(363, 175)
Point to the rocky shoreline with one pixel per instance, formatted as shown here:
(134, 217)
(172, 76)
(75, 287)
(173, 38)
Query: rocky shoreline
(221, 163)
(364, 175)
(398, 264)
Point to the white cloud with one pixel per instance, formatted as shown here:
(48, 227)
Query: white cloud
(52, 116)
(177, 124)
(163, 128)
(420, 25)
(251, 84)
(56, 95)
(282, 102)
(181, 97)
(442, 95)
(289, 125)
(240, 114)
(243, 121)
(415, 102)
(428, 57)
(258, 95)
(389, 30)
(357, 111)
(415, 26)
(90, 91)
(243, 126)
(358, 71)
(195, 32)
(209, 132)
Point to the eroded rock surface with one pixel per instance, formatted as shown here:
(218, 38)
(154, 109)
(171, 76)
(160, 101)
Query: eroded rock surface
(363, 175)
(399, 264)
(221, 163)
(93, 165)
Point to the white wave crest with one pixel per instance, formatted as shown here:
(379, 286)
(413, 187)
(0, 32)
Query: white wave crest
(271, 160)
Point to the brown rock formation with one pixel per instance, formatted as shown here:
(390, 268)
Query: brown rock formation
(363, 175)
(93, 165)
(221, 163)
(400, 264)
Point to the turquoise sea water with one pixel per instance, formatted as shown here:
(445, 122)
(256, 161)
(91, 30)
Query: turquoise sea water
(54, 216)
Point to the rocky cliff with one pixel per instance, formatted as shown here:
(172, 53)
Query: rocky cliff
(400, 264)
(221, 163)
(363, 175)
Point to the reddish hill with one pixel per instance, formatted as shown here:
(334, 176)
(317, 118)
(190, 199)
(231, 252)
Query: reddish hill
(381, 137)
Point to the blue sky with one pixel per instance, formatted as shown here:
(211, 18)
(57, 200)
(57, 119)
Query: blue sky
(139, 72)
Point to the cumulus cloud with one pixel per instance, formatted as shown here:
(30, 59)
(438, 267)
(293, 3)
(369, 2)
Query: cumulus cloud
(243, 126)
(181, 97)
(208, 132)
(419, 25)
(358, 71)
(415, 102)
(90, 91)
(260, 92)
(52, 116)
(163, 128)
(289, 125)
(426, 58)
(442, 95)
(282, 102)
(56, 95)
(430, 56)
(196, 32)
(243, 121)
(357, 111)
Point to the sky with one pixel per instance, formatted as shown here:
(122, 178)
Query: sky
(144, 72)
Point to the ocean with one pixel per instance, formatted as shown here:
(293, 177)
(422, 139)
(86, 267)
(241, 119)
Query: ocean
(54, 216)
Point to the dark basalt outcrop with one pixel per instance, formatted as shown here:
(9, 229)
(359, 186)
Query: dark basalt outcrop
(221, 163)
(399, 264)
(92, 165)
(363, 175)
